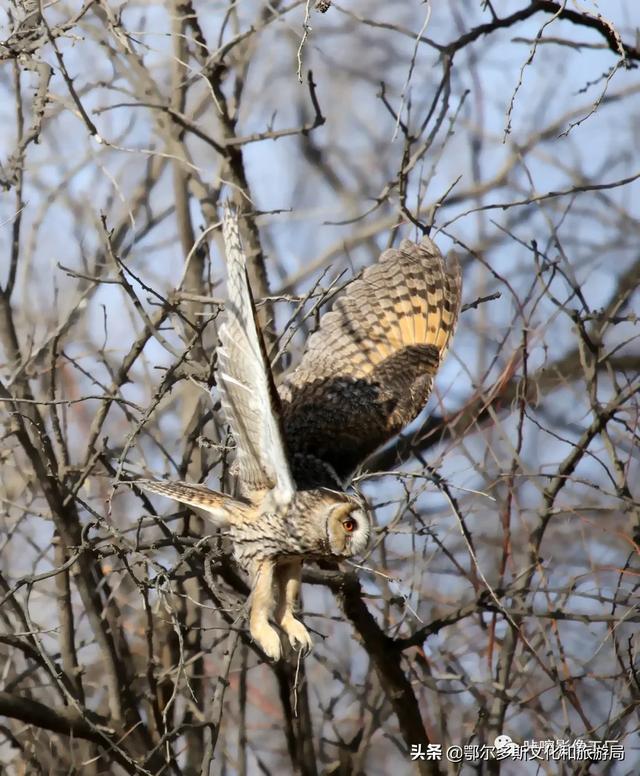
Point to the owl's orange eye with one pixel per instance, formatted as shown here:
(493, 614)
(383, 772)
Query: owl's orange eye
(350, 526)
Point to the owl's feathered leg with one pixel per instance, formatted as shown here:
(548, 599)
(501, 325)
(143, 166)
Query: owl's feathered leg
(261, 606)
(288, 575)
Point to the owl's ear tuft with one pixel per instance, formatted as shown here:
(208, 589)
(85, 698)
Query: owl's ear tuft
(342, 511)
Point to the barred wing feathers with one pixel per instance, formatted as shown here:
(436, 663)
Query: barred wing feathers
(249, 397)
(220, 508)
(368, 369)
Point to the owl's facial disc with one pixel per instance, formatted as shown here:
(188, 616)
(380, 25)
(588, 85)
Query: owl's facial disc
(348, 530)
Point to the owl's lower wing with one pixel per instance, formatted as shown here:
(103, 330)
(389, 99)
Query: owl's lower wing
(221, 509)
(368, 369)
(249, 397)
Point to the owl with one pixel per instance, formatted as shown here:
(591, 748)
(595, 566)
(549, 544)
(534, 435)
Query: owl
(365, 374)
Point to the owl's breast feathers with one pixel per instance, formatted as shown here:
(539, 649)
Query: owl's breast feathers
(299, 531)
(368, 370)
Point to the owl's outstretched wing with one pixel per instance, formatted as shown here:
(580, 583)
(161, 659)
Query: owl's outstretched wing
(367, 371)
(220, 508)
(249, 398)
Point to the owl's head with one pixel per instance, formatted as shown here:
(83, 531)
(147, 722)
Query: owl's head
(348, 528)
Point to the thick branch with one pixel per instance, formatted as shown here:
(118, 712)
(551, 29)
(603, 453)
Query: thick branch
(65, 720)
(387, 662)
(597, 23)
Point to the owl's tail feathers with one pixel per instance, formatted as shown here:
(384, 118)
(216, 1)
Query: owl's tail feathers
(217, 507)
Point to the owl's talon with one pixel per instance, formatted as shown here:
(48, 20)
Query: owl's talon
(304, 647)
(299, 637)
